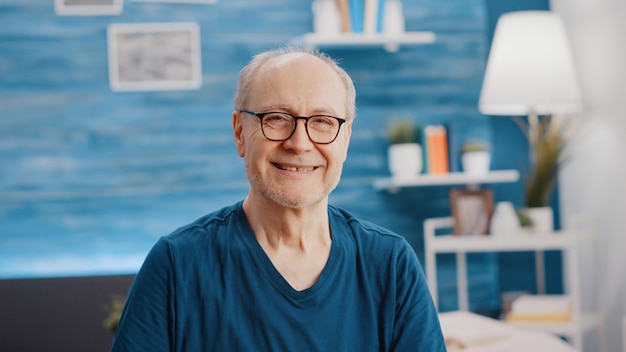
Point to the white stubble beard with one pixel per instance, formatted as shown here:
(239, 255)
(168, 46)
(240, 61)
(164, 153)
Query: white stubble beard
(259, 184)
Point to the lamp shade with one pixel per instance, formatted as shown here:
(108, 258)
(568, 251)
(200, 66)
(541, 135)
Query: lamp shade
(530, 69)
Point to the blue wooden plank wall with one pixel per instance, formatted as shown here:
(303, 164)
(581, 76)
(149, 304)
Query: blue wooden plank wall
(90, 178)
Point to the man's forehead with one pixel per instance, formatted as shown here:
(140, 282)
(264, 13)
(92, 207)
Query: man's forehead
(297, 60)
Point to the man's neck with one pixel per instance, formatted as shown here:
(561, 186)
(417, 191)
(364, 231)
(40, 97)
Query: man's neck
(297, 241)
(279, 225)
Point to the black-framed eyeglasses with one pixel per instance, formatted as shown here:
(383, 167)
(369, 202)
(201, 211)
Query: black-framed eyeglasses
(279, 126)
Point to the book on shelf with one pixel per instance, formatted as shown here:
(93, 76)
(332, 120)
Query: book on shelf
(344, 14)
(370, 16)
(540, 308)
(373, 16)
(454, 147)
(380, 16)
(356, 15)
(562, 317)
(436, 146)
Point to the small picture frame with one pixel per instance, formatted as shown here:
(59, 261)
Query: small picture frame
(154, 56)
(88, 7)
(471, 210)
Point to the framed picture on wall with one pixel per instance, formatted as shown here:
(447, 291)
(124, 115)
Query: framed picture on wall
(88, 7)
(181, 1)
(471, 210)
(154, 56)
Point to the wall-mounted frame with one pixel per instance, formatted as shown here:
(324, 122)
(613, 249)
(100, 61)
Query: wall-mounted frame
(88, 7)
(181, 1)
(471, 210)
(154, 56)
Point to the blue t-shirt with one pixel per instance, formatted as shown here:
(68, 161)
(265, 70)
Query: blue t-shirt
(209, 286)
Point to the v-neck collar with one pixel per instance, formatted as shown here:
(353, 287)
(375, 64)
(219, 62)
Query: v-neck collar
(267, 268)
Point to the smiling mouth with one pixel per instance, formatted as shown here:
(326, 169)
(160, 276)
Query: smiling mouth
(295, 169)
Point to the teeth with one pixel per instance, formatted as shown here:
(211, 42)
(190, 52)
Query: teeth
(298, 169)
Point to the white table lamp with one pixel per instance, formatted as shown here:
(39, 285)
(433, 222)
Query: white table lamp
(530, 70)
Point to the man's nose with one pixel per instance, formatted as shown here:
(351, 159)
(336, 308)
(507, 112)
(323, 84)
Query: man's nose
(299, 138)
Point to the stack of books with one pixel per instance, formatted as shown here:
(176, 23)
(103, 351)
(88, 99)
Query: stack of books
(361, 16)
(540, 309)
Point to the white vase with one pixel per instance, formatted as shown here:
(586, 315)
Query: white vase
(393, 18)
(405, 160)
(326, 17)
(476, 163)
(542, 219)
(504, 221)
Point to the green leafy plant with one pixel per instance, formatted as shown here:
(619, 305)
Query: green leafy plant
(401, 131)
(524, 219)
(548, 141)
(115, 312)
(474, 146)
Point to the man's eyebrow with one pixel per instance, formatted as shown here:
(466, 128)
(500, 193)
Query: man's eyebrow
(273, 108)
(288, 109)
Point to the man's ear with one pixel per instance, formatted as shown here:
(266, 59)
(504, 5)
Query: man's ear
(238, 133)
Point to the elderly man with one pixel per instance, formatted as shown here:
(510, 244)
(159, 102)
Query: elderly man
(283, 270)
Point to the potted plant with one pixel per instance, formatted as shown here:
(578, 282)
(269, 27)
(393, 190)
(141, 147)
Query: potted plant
(404, 154)
(475, 158)
(115, 312)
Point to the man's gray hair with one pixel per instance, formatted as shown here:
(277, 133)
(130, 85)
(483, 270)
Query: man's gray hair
(246, 76)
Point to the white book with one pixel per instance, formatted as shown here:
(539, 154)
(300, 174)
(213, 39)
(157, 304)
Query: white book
(541, 304)
(370, 18)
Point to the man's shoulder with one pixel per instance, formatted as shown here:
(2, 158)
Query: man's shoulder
(375, 243)
(209, 223)
(364, 230)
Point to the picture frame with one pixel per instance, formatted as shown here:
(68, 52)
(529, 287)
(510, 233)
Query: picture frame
(181, 1)
(154, 56)
(471, 211)
(88, 7)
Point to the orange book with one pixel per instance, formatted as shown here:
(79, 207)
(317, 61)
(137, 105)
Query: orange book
(344, 13)
(437, 149)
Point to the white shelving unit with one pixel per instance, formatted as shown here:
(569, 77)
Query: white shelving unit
(460, 245)
(391, 43)
(454, 178)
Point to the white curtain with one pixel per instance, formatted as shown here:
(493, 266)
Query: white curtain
(593, 183)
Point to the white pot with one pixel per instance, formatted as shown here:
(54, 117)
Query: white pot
(326, 17)
(542, 218)
(393, 18)
(476, 163)
(405, 160)
(504, 221)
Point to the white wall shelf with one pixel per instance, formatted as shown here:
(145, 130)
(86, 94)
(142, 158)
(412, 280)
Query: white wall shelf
(568, 242)
(454, 178)
(391, 43)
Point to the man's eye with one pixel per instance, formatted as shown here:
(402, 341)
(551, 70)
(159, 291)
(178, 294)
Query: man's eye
(277, 118)
(323, 121)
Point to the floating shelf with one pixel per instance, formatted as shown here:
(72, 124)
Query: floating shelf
(391, 43)
(520, 242)
(453, 178)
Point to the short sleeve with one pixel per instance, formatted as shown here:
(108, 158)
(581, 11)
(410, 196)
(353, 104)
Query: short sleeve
(416, 327)
(145, 324)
